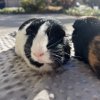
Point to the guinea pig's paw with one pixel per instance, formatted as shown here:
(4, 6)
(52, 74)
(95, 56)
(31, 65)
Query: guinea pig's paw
(17, 51)
(60, 70)
(16, 48)
(46, 68)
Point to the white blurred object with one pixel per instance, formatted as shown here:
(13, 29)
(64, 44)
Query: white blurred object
(77, 4)
(96, 7)
(43, 95)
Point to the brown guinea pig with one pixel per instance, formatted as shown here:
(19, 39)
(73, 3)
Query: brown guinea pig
(86, 40)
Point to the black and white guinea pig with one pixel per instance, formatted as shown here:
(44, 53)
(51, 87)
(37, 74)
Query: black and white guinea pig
(43, 44)
(86, 40)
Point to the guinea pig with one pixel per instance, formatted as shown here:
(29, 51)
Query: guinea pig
(43, 44)
(86, 40)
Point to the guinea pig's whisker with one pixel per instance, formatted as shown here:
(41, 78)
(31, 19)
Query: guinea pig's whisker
(56, 51)
(67, 53)
(56, 55)
(54, 43)
(57, 60)
(63, 45)
(50, 30)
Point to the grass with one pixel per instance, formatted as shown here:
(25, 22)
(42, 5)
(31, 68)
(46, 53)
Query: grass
(12, 10)
(83, 11)
(20, 10)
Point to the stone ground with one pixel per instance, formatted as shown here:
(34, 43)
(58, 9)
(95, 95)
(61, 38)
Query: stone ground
(18, 82)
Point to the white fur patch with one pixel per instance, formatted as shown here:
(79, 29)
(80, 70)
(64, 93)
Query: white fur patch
(21, 40)
(40, 45)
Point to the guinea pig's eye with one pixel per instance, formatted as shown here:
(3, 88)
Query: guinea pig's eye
(59, 45)
(54, 42)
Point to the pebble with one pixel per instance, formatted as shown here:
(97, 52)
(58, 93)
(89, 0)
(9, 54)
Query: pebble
(98, 82)
(61, 91)
(63, 81)
(84, 81)
(57, 76)
(93, 85)
(70, 87)
(43, 95)
(51, 95)
(55, 84)
(77, 83)
(68, 98)
(77, 94)
(95, 97)
(86, 90)
(90, 78)
(47, 87)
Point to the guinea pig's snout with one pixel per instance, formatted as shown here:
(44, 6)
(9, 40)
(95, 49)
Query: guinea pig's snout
(38, 55)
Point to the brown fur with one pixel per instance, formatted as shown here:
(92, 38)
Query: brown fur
(94, 54)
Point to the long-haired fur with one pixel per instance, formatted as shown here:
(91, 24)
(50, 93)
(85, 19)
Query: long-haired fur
(86, 40)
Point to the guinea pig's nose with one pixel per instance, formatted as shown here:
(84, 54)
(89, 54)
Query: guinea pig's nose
(38, 54)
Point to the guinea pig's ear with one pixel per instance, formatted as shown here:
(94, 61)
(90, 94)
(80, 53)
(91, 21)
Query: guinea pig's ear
(86, 23)
(32, 29)
(79, 23)
(29, 32)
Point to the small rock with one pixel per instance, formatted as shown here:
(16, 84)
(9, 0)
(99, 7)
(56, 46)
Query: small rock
(47, 87)
(95, 97)
(86, 90)
(70, 87)
(61, 91)
(68, 98)
(84, 81)
(51, 96)
(77, 94)
(55, 84)
(77, 83)
(90, 78)
(98, 82)
(43, 95)
(57, 76)
(93, 85)
(63, 81)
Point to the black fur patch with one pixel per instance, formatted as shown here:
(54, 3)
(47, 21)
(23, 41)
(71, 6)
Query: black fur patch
(56, 35)
(26, 22)
(85, 30)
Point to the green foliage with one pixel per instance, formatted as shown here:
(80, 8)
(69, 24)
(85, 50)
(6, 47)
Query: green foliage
(83, 11)
(11, 10)
(31, 6)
